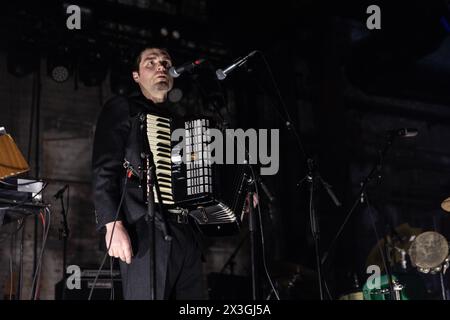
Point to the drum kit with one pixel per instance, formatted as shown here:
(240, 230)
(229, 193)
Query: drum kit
(412, 254)
(426, 253)
(409, 252)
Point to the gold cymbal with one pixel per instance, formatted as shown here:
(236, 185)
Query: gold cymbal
(445, 205)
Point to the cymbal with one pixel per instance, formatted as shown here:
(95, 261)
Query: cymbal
(445, 205)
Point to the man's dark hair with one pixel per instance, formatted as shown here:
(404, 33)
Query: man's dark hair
(138, 57)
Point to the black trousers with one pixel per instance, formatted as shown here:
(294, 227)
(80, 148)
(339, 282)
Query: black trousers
(178, 264)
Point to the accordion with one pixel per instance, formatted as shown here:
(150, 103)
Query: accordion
(213, 194)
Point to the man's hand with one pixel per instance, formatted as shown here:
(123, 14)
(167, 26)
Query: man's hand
(120, 244)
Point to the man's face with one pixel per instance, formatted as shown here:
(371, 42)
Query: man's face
(153, 75)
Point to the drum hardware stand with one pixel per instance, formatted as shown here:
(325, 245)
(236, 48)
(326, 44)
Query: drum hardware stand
(362, 194)
(404, 262)
(444, 268)
(394, 287)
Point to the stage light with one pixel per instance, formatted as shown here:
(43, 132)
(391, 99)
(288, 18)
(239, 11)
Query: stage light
(176, 34)
(191, 44)
(59, 64)
(164, 32)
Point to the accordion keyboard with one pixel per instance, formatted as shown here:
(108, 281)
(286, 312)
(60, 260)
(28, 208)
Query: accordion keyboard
(159, 132)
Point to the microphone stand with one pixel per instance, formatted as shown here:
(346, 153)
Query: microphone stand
(375, 172)
(230, 262)
(442, 283)
(252, 226)
(149, 169)
(313, 175)
(314, 180)
(253, 222)
(152, 215)
(64, 234)
(254, 230)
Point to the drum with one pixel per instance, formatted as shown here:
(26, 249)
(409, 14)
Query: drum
(357, 295)
(429, 252)
(383, 292)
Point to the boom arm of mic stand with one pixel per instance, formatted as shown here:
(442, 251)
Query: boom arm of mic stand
(265, 189)
(330, 192)
(376, 169)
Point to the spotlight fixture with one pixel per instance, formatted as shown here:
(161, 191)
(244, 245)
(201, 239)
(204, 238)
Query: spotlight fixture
(176, 34)
(164, 32)
(59, 64)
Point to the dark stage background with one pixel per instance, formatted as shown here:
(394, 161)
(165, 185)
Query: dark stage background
(344, 87)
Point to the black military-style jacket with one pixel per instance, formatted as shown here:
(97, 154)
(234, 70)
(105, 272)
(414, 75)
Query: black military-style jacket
(119, 138)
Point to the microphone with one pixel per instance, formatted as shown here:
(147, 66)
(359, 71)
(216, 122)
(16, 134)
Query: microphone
(222, 74)
(404, 132)
(266, 190)
(176, 72)
(61, 192)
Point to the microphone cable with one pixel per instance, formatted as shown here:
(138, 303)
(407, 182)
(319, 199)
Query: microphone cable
(112, 234)
(263, 251)
(288, 122)
(36, 276)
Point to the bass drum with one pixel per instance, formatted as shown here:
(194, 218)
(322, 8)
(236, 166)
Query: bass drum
(357, 295)
(406, 287)
(379, 289)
